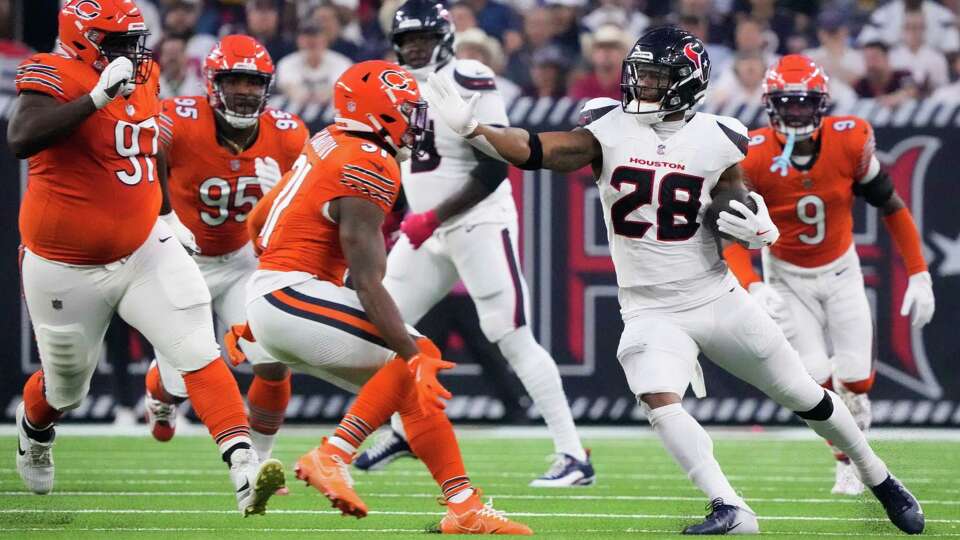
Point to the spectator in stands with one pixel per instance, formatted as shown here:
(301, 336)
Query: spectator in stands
(566, 25)
(719, 26)
(306, 76)
(886, 24)
(495, 18)
(464, 18)
(950, 92)
(331, 19)
(839, 60)
(180, 20)
(548, 76)
(475, 44)
(890, 87)
(741, 84)
(151, 16)
(177, 77)
(751, 38)
(537, 33)
(778, 22)
(699, 25)
(263, 23)
(623, 13)
(926, 65)
(607, 48)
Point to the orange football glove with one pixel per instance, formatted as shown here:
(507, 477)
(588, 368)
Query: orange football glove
(429, 390)
(231, 341)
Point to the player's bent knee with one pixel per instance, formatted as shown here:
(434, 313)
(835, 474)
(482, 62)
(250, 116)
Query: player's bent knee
(823, 410)
(67, 364)
(274, 371)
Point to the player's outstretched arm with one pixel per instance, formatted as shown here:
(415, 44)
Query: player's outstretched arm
(360, 221)
(40, 121)
(562, 151)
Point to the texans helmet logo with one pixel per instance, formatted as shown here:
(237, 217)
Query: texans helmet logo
(696, 57)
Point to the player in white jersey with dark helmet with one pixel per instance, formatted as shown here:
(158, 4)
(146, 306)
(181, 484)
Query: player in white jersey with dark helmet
(463, 226)
(659, 166)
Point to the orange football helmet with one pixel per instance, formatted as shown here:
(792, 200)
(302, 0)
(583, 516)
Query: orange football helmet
(239, 56)
(100, 31)
(796, 96)
(381, 98)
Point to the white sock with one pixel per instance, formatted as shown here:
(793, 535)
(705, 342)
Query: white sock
(462, 496)
(262, 444)
(842, 431)
(690, 445)
(541, 379)
(342, 444)
(396, 423)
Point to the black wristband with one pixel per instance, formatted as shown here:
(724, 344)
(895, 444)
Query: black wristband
(535, 161)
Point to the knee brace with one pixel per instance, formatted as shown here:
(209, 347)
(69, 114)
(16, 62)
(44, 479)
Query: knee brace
(68, 364)
(821, 412)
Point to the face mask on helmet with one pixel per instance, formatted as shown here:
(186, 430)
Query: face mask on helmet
(416, 115)
(644, 88)
(797, 114)
(418, 49)
(131, 45)
(241, 97)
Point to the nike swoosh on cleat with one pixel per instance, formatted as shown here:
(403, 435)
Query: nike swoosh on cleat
(246, 485)
(761, 233)
(734, 526)
(162, 240)
(20, 450)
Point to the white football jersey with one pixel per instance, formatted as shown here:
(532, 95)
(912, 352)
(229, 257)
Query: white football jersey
(655, 193)
(442, 167)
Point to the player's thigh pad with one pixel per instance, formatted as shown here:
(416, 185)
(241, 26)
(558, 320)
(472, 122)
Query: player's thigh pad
(807, 317)
(657, 355)
(418, 278)
(70, 309)
(169, 303)
(850, 326)
(747, 343)
(319, 328)
(488, 263)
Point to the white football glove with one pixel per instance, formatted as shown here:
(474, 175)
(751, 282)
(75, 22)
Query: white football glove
(918, 301)
(115, 80)
(771, 302)
(184, 235)
(446, 102)
(268, 173)
(756, 229)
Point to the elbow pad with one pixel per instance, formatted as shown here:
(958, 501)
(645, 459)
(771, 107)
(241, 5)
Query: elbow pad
(489, 172)
(877, 191)
(535, 161)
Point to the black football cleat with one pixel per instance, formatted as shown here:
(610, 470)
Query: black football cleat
(902, 507)
(725, 519)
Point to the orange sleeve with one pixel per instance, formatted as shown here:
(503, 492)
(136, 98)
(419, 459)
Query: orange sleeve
(40, 73)
(907, 239)
(738, 259)
(167, 124)
(258, 216)
(371, 179)
(864, 148)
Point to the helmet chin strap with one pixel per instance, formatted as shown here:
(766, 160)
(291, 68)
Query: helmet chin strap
(238, 121)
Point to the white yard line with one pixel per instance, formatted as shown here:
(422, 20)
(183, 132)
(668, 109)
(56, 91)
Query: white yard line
(650, 498)
(434, 514)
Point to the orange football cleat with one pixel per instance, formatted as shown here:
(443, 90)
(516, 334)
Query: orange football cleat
(330, 474)
(480, 519)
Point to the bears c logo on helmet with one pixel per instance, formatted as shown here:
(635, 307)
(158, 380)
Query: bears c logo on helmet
(86, 9)
(395, 80)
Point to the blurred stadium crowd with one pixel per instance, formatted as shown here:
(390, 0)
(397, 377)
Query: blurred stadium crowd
(892, 51)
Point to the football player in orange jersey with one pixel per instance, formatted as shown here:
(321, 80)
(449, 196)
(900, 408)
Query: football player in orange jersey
(323, 221)
(223, 151)
(808, 167)
(95, 242)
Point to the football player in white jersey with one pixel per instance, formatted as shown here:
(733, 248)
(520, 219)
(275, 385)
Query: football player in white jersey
(463, 226)
(659, 165)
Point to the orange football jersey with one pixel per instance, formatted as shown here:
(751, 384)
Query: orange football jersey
(93, 197)
(296, 234)
(812, 206)
(211, 188)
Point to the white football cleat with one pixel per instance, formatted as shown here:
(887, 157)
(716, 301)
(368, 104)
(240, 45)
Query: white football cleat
(255, 482)
(847, 482)
(161, 417)
(34, 459)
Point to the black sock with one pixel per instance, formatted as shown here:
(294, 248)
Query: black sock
(229, 453)
(44, 435)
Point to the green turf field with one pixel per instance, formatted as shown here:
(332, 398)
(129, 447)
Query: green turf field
(130, 487)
